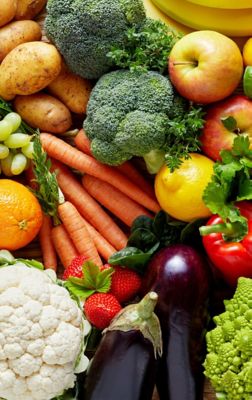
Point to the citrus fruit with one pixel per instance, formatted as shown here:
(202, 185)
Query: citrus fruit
(20, 215)
(179, 193)
(247, 52)
(247, 82)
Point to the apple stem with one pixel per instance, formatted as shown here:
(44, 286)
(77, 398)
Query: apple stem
(185, 63)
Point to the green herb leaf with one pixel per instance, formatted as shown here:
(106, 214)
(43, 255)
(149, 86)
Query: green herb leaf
(229, 122)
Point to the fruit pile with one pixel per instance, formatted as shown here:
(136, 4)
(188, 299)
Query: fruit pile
(125, 153)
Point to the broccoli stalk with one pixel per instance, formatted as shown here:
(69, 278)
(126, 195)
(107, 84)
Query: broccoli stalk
(228, 363)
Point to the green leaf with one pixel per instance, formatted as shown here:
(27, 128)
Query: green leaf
(31, 263)
(78, 291)
(90, 272)
(141, 222)
(79, 282)
(244, 189)
(241, 146)
(229, 122)
(142, 238)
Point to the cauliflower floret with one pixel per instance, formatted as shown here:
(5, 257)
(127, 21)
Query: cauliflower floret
(41, 335)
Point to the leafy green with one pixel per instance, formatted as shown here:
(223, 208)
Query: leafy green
(93, 280)
(5, 108)
(146, 47)
(147, 236)
(231, 182)
(48, 192)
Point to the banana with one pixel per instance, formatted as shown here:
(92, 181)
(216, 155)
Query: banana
(231, 4)
(229, 22)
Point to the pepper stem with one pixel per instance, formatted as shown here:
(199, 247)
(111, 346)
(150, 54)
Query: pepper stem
(227, 229)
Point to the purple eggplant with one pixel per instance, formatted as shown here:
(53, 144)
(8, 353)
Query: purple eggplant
(124, 365)
(180, 277)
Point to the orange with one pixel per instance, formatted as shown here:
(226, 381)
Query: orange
(247, 52)
(20, 215)
(179, 193)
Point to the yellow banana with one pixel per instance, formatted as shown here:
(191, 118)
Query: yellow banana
(231, 4)
(229, 22)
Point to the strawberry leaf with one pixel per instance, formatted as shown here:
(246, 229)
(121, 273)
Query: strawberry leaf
(103, 280)
(90, 272)
(78, 291)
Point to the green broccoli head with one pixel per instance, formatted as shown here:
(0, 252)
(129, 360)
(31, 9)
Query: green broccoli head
(128, 114)
(228, 363)
(84, 31)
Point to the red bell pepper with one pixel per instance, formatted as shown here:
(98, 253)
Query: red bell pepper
(233, 259)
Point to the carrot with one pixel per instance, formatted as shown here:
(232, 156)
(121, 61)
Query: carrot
(82, 143)
(63, 245)
(103, 246)
(76, 228)
(114, 200)
(62, 151)
(88, 207)
(46, 244)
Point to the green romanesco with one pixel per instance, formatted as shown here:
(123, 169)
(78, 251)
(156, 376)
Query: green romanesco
(84, 31)
(228, 363)
(137, 114)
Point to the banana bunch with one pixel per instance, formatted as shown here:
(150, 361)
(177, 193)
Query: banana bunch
(233, 21)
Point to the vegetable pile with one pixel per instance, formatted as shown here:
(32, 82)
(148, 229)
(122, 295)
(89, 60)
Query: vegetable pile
(125, 146)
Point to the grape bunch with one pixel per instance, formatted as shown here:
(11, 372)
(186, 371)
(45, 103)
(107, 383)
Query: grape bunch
(16, 147)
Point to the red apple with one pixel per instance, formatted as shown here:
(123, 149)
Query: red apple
(224, 121)
(205, 66)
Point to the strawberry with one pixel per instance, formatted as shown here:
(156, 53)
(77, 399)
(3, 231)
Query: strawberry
(125, 284)
(100, 309)
(75, 268)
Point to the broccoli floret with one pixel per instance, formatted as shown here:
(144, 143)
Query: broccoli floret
(84, 31)
(128, 115)
(228, 363)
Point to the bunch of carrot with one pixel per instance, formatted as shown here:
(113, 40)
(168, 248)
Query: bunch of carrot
(86, 228)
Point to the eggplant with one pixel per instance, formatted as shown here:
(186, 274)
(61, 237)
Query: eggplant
(180, 276)
(124, 364)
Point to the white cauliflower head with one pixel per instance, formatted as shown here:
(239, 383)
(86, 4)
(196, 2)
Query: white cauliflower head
(41, 335)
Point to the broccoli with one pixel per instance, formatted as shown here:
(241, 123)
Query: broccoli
(228, 363)
(137, 114)
(84, 31)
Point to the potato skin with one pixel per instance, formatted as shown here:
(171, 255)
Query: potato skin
(7, 11)
(28, 9)
(17, 32)
(28, 68)
(72, 90)
(43, 111)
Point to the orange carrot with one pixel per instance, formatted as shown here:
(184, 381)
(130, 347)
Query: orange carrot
(63, 245)
(103, 246)
(88, 207)
(62, 151)
(82, 143)
(114, 200)
(46, 244)
(76, 228)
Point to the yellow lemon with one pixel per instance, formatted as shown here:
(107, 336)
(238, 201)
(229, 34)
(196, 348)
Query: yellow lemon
(247, 52)
(179, 193)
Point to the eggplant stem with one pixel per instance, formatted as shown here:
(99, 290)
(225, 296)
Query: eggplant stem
(146, 306)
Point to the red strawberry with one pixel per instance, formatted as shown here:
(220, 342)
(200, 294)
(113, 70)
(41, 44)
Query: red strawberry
(100, 308)
(125, 284)
(75, 268)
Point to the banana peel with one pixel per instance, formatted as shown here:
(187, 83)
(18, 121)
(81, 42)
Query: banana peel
(227, 21)
(231, 4)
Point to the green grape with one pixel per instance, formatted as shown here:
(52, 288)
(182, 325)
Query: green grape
(17, 140)
(6, 165)
(4, 151)
(28, 150)
(14, 119)
(18, 164)
(5, 129)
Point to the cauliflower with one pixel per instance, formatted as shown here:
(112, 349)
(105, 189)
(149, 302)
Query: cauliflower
(228, 363)
(41, 335)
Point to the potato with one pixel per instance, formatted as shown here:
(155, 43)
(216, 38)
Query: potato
(72, 90)
(7, 11)
(17, 32)
(28, 9)
(43, 111)
(28, 68)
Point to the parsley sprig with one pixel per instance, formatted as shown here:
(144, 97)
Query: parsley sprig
(231, 183)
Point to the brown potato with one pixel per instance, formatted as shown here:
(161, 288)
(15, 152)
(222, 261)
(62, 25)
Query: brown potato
(17, 32)
(7, 11)
(28, 9)
(28, 68)
(43, 111)
(72, 90)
